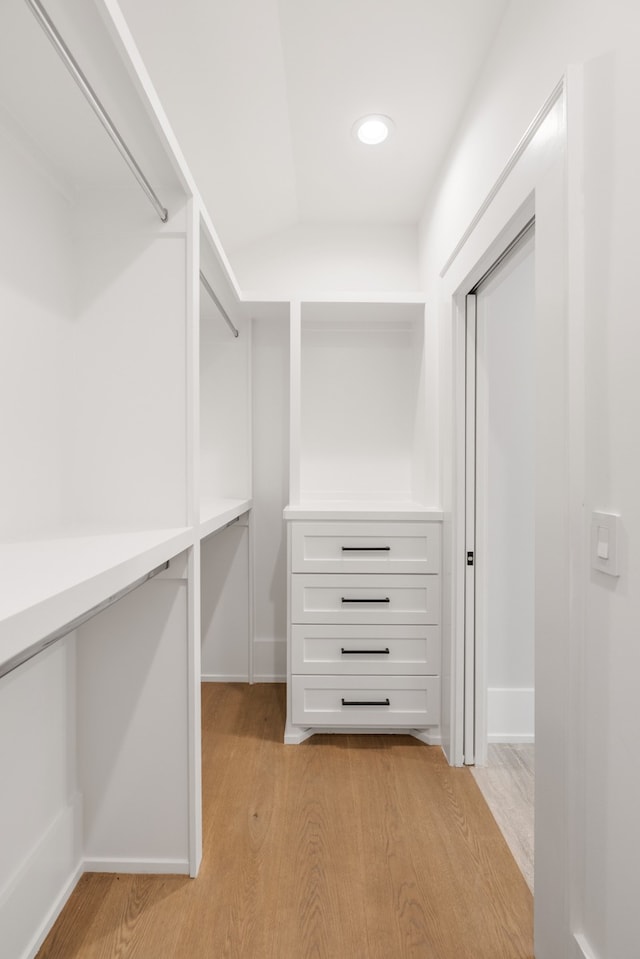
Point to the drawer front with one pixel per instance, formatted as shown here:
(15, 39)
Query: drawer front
(351, 650)
(406, 701)
(365, 547)
(358, 598)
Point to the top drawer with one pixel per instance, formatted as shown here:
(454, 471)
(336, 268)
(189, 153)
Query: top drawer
(365, 547)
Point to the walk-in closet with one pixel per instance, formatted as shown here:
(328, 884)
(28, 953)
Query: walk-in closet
(294, 515)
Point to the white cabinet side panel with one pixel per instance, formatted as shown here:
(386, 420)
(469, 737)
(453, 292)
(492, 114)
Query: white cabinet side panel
(132, 728)
(38, 810)
(225, 605)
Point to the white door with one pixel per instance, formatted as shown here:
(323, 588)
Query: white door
(499, 593)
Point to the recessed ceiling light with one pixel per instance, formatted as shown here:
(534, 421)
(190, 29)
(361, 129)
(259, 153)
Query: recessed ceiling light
(373, 129)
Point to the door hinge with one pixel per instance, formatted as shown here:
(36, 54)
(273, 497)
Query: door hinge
(470, 558)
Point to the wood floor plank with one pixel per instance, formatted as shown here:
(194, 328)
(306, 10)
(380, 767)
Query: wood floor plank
(507, 784)
(344, 847)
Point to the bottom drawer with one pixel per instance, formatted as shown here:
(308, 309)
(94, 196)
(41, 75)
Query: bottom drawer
(365, 700)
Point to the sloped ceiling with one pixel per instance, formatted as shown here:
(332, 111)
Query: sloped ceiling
(263, 95)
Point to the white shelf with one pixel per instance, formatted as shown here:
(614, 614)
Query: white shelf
(365, 510)
(216, 513)
(47, 583)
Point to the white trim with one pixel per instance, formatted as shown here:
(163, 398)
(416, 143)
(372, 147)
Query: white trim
(427, 737)
(224, 678)
(537, 186)
(576, 752)
(526, 139)
(470, 703)
(294, 735)
(295, 394)
(341, 296)
(50, 919)
(508, 739)
(194, 710)
(481, 704)
(147, 867)
(269, 678)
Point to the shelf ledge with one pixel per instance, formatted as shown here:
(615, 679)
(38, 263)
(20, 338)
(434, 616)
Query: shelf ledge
(217, 513)
(365, 510)
(48, 583)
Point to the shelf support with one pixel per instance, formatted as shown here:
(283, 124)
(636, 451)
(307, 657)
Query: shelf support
(225, 315)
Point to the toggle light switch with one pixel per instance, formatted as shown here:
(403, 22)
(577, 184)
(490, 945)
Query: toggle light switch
(602, 550)
(604, 543)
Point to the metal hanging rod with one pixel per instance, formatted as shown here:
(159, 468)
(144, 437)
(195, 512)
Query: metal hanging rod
(38, 647)
(74, 69)
(217, 302)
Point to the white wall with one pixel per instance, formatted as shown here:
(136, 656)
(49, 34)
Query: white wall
(532, 50)
(309, 259)
(36, 305)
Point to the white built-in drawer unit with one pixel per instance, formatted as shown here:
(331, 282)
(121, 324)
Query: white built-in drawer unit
(364, 598)
(364, 601)
(372, 548)
(378, 649)
(366, 701)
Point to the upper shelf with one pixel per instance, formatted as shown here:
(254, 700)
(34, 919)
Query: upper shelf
(218, 513)
(364, 510)
(47, 584)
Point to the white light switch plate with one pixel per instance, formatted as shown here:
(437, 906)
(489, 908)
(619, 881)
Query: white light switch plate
(604, 543)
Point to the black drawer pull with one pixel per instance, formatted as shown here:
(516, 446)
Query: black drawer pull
(385, 600)
(360, 702)
(366, 549)
(365, 652)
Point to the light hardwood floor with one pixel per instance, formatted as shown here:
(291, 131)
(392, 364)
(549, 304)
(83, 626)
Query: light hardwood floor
(507, 784)
(345, 847)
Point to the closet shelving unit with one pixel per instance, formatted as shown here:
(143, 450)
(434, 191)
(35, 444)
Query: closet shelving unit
(113, 471)
(363, 539)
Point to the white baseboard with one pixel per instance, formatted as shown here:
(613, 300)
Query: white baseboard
(582, 948)
(54, 912)
(222, 678)
(428, 736)
(269, 665)
(294, 735)
(510, 715)
(32, 899)
(257, 678)
(148, 867)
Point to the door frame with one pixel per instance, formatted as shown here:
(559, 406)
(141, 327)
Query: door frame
(542, 177)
